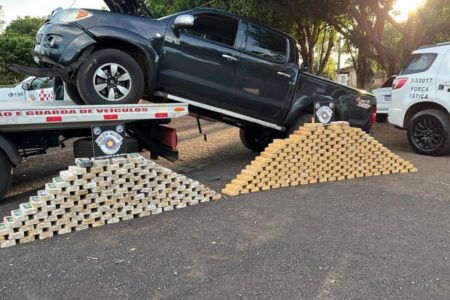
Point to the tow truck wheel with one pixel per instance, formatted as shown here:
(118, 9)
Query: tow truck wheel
(110, 77)
(73, 93)
(429, 132)
(6, 174)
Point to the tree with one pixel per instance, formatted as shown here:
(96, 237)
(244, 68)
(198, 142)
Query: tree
(26, 26)
(370, 27)
(363, 67)
(14, 49)
(15, 46)
(2, 18)
(160, 8)
(316, 40)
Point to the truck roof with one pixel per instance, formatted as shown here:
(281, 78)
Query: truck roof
(231, 15)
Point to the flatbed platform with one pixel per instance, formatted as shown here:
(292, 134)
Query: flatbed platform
(26, 116)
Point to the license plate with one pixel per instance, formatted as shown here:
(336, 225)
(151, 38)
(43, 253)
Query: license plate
(388, 98)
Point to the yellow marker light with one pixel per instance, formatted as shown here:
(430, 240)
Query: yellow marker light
(82, 14)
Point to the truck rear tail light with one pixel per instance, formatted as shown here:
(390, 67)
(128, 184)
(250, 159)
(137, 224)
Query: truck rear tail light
(373, 118)
(399, 83)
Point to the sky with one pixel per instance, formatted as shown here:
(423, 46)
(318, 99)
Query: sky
(41, 8)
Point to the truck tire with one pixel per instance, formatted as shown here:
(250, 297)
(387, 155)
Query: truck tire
(82, 148)
(74, 95)
(256, 139)
(429, 132)
(6, 170)
(303, 119)
(110, 77)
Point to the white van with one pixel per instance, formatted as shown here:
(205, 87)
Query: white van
(384, 98)
(421, 100)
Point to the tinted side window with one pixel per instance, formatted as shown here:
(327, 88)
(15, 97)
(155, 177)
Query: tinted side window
(389, 83)
(215, 28)
(41, 83)
(266, 44)
(418, 63)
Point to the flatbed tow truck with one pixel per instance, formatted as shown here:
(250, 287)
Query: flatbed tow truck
(31, 128)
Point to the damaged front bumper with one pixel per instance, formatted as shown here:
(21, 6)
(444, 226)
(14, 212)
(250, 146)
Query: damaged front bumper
(59, 50)
(56, 70)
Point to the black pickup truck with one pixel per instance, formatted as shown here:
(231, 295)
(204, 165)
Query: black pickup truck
(227, 68)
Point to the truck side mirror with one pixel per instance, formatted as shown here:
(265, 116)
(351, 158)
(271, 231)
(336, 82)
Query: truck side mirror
(183, 21)
(26, 86)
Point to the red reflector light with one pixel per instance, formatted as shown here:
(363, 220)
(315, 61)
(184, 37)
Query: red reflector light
(110, 117)
(399, 83)
(53, 119)
(168, 137)
(373, 118)
(161, 115)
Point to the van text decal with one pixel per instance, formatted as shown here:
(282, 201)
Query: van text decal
(420, 88)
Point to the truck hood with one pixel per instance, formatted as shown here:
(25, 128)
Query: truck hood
(129, 7)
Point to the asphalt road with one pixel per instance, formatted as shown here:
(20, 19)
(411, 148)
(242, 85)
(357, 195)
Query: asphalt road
(376, 238)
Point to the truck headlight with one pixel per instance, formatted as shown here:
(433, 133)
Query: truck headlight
(71, 15)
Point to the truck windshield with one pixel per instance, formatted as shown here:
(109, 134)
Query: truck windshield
(418, 63)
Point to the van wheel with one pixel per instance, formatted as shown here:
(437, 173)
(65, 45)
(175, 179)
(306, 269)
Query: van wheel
(110, 77)
(256, 138)
(429, 132)
(74, 95)
(82, 148)
(6, 170)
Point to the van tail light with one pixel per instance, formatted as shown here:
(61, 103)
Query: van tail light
(399, 83)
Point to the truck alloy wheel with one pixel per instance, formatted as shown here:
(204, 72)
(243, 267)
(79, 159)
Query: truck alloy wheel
(429, 133)
(112, 82)
(110, 77)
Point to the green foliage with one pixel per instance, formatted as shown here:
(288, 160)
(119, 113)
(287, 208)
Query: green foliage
(15, 47)
(26, 26)
(2, 16)
(161, 8)
(330, 69)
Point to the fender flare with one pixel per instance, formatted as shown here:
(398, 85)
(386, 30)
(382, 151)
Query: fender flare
(11, 151)
(301, 105)
(127, 37)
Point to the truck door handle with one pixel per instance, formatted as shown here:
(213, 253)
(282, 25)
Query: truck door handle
(229, 57)
(284, 75)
